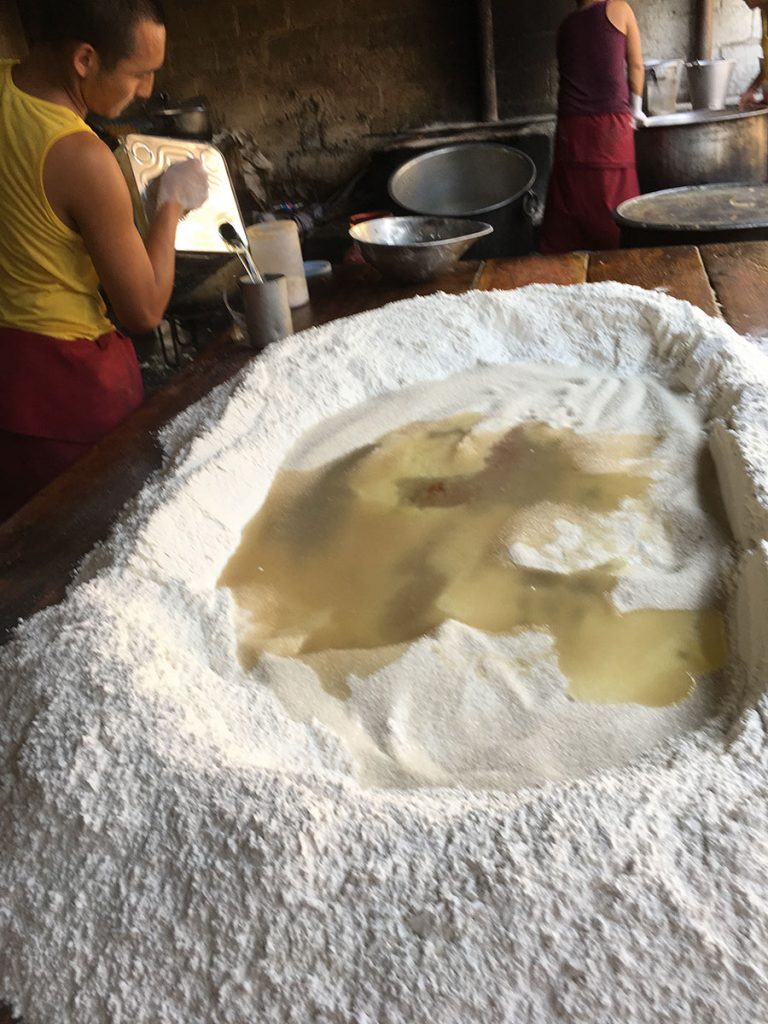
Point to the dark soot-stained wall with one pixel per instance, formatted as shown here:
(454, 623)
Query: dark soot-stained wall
(321, 84)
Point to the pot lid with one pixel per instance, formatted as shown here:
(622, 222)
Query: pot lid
(143, 158)
(698, 207)
(464, 180)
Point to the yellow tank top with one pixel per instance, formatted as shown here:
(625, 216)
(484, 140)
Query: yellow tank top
(48, 283)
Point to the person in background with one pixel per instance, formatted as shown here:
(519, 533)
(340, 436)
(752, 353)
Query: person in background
(599, 103)
(755, 93)
(67, 376)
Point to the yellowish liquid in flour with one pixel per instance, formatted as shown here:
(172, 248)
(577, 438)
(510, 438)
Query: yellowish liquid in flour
(383, 545)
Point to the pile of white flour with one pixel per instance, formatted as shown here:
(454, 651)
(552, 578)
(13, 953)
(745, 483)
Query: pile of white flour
(176, 848)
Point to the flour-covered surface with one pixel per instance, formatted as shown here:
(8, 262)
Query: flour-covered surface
(176, 848)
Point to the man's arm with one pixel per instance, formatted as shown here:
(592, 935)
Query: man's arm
(749, 98)
(86, 189)
(622, 17)
(635, 66)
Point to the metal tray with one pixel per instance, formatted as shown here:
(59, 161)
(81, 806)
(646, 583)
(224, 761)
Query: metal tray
(732, 205)
(143, 158)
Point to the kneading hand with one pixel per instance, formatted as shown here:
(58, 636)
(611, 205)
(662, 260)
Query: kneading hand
(185, 183)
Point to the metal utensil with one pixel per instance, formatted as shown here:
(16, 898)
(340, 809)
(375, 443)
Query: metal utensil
(143, 158)
(416, 248)
(232, 237)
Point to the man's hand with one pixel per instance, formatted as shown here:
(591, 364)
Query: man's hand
(637, 110)
(185, 183)
(752, 97)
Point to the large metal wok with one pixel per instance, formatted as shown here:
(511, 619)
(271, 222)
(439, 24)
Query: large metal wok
(700, 147)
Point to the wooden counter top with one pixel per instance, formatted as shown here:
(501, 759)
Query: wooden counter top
(41, 546)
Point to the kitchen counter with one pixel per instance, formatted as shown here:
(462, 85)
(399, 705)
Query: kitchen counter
(41, 546)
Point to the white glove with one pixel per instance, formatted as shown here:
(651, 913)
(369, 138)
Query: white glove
(637, 110)
(185, 183)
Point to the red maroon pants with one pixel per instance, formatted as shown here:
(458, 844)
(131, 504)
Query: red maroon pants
(592, 172)
(57, 400)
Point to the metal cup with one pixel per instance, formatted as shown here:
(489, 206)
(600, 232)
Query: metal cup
(267, 311)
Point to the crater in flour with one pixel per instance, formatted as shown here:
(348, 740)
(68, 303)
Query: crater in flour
(384, 545)
(504, 524)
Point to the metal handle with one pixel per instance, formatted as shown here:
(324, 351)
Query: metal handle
(532, 207)
(238, 320)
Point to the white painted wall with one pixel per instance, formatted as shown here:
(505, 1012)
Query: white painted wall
(737, 37)
(667, 27)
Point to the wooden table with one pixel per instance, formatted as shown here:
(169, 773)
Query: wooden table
(42, 545)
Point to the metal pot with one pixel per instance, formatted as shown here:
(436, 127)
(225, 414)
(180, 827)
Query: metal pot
(700, 147)
(189, 119)
(473, 180)
(188, 122)
(202, 280)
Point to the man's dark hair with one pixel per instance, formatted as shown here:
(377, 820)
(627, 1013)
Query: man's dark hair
(108, 25)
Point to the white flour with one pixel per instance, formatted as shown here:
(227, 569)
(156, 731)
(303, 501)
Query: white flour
(177, 849)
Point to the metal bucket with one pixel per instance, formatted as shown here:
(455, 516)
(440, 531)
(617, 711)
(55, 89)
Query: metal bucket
(708, 82)
(473, 180)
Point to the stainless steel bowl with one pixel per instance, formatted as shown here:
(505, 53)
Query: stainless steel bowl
(411, 249)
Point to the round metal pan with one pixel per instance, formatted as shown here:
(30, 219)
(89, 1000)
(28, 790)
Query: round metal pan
(733, 211)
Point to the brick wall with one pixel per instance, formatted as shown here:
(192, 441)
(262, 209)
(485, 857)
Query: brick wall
(317, 80)
(525, 43)
(322, 83)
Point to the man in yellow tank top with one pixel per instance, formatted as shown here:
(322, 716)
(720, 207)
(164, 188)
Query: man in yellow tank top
(755, 95)
(67, 376)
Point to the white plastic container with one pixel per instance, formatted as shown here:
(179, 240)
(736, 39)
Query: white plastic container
(276, 249)
(662, 81)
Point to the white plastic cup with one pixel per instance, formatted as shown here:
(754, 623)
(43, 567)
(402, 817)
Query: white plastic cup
(276, 249)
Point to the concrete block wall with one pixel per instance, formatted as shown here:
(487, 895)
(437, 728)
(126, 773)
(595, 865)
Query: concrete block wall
(525, 44)
(317, 82)
(322, 84)
(737, 37)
